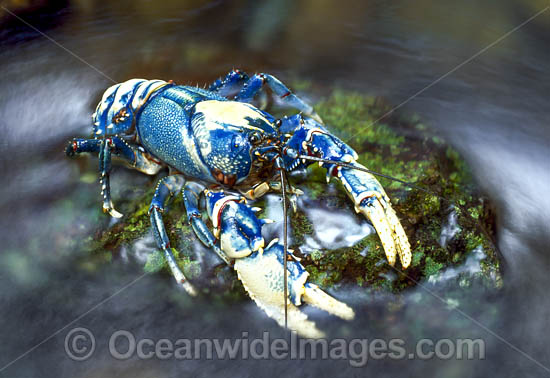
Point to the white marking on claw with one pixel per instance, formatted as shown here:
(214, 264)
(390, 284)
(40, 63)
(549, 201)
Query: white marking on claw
(114, 213)
(227, 246)
(272, 242)
(218, 206)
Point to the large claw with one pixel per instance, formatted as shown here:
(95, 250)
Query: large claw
(371, 200)
(262, 276)
(310, 139)
(236, 226)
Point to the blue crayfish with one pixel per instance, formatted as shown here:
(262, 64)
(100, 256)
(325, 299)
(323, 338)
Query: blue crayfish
(220, 151)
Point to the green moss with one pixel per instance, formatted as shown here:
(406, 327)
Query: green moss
(417, 257)
(431, 267)
(301, 226)
(155, 262)
(419, 158)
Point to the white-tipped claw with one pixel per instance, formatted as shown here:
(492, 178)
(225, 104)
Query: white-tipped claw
(179, 277)
(112, 212)
(190, 289)
(376, 206)
(318, 298)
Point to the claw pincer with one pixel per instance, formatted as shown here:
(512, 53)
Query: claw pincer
(262, 277)
(311, 139)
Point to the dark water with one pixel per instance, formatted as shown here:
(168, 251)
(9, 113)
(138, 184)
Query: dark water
(494, 110)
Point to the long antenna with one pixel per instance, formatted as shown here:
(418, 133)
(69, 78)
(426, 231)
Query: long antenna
(285, 240)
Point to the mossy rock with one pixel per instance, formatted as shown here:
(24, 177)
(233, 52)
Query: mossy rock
(393, 145)
(404, 148)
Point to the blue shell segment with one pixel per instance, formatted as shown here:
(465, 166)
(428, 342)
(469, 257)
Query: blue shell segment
(163, 129)
(360, 182)
(223, 131)
(116, 111)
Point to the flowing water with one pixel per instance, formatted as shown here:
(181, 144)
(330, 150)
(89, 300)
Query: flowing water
(494, 109)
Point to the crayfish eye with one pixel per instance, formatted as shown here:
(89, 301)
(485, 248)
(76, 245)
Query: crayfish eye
(255, 138)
